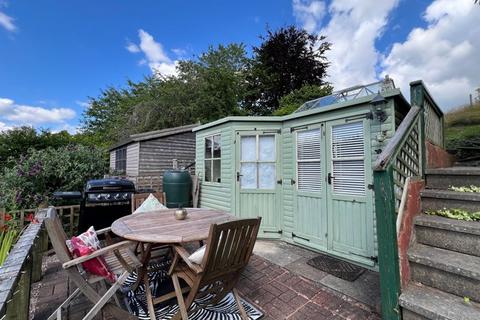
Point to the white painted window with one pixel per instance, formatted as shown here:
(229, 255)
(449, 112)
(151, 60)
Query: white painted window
(348, 156)
(309, 164)
(213, 153)
(257, 162)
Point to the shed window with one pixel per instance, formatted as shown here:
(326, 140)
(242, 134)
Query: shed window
(213, 153)
(309, 165)
(121, 160)
(257, 162)
(348, 155)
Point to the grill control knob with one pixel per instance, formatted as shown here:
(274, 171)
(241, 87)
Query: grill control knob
(125, 196)
(99, 196)
(117, 196)
(107, 196)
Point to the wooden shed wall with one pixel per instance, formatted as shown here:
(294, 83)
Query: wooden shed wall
(132, 159)
(156, 155)
(112, 160)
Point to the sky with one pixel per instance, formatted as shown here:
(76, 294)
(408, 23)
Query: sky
(56, 54)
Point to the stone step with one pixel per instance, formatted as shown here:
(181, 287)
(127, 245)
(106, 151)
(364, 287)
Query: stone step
(423, 302)
(454, 176)
(449, 271)
(456, 235)
(433, 199)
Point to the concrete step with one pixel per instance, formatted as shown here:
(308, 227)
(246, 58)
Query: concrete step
(455, 235)
(423, 302)
(449, 271)
(433, 199)
(454, 176)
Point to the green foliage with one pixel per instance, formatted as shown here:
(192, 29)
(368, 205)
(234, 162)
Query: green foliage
(7, 239)
(31, 180)
(292, 101)
(462, 132)
(286, 60)
(15, 142)
(471, 188)
(205, 89)
(457, 214)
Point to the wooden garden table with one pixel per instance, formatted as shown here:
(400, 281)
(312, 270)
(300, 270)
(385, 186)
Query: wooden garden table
(161, 227)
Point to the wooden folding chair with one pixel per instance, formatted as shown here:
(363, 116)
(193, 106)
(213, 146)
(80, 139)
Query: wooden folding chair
(139, 198)
(119, 257)
(228, 250)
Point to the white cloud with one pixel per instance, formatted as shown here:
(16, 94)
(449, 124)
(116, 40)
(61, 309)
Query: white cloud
(132, 47)
(179, 52)
(83, 104)
(66, 127)
(309, 13)
(353, 28)
(155, 55)
(4, 127)
(28, 115)
(7, 22)
(445, 54)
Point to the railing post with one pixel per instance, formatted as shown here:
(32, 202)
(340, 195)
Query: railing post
(387, 243)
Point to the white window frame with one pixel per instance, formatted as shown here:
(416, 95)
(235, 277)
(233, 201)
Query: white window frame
(212, 158)
(257, 160)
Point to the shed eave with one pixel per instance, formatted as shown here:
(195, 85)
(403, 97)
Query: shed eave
(340, 105)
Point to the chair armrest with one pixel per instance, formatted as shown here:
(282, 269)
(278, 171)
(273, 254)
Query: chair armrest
(184, 254)
(104, 230)
(97, 253)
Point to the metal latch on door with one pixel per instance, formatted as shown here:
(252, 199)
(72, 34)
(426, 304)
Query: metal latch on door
(330, 178)
(238, 176)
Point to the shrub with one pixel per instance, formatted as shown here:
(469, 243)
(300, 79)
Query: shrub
(31, 180)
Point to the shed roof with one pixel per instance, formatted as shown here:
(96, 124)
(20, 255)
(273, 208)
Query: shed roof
(154, 135)
(394, 93)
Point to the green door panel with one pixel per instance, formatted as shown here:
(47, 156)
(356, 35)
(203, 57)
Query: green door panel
(349, 205)
(310, 213)
(258, 171)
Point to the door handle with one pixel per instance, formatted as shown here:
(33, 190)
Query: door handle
(330, 178)
(238, 176)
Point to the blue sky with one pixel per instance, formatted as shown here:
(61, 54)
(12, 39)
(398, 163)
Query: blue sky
(55, 54)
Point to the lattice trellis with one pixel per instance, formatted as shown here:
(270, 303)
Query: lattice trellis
(433, 124)
(407, 162)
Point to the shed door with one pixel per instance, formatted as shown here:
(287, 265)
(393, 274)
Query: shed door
(350, 212)
(310, 219)
(257, 181)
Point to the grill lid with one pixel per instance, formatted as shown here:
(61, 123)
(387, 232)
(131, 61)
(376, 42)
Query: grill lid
(106, 185)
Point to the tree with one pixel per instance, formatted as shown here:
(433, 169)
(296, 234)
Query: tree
(17, 141)
(205, 89)
(286, 60)
(292, 101)
(31, 179)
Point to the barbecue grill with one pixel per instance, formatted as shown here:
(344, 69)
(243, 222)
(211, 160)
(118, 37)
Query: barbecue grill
(102, 202)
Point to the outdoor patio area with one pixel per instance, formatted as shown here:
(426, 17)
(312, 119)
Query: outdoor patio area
(277, 281)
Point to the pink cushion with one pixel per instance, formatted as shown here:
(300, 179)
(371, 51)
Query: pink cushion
(83, 245)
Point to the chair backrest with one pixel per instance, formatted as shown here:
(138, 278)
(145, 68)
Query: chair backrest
(229, 247)
(57, 235)
(138, 198)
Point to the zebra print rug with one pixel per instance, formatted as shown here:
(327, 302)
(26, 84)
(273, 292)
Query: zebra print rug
(160, 283)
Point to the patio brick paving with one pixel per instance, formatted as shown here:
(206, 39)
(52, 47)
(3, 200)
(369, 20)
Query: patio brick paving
(278, 292)
(282, 294)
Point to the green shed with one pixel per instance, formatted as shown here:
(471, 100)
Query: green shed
(309, 175)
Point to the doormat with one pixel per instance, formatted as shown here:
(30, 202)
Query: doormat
(336, 267)
(160, 284)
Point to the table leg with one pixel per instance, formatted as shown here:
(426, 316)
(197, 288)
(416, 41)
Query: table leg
(143, 270)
